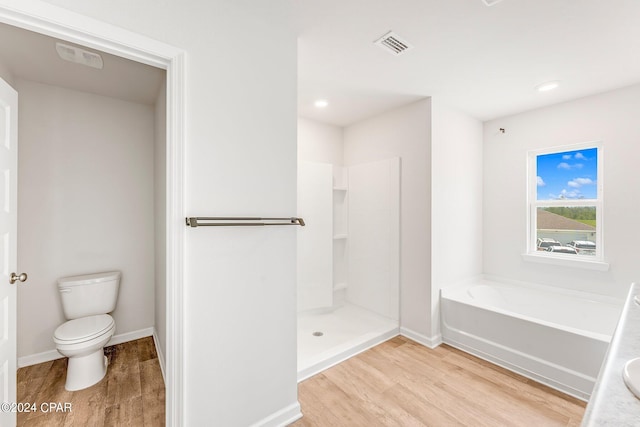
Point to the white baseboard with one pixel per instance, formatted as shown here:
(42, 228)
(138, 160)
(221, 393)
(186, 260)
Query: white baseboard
(34, 359)
(431, 342)
(46, 356)
(130, 336)
(283, 417)
(160, 354)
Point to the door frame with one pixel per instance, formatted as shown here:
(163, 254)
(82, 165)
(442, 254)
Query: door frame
(63, 24)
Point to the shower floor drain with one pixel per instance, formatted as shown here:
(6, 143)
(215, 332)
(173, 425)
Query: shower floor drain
(317, 334)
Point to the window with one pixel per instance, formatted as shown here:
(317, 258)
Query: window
(565, 203)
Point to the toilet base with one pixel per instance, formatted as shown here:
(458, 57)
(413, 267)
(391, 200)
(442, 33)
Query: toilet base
(85, 371)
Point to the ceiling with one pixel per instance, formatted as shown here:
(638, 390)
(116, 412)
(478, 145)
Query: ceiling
(32, 56)
(483, 60)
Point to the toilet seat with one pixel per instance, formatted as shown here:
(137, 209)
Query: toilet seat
(83, 329)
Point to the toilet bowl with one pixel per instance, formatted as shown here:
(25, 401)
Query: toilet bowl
(82, 341)
(86, 300)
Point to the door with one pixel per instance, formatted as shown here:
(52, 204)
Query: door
(8, 248)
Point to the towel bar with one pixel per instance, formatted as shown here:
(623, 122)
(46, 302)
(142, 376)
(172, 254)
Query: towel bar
(222, 221)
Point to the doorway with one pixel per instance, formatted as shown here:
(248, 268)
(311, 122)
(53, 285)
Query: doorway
(84, 31)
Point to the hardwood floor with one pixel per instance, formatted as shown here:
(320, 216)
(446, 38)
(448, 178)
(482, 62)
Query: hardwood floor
(398, 383)
(131, 394)
(401, 383)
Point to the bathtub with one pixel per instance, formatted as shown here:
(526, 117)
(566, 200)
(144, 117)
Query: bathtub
(556, 337)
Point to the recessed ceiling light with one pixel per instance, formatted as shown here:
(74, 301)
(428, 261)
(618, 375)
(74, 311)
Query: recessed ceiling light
(546, 86)
(321, 103)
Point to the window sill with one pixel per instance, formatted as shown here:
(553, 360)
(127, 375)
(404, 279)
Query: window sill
(567, 262)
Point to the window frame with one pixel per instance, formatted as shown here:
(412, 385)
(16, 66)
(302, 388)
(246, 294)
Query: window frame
(533, 204)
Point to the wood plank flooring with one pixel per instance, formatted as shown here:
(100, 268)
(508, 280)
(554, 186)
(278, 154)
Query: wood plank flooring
(131, 394)
(398, 383)
(401, 383)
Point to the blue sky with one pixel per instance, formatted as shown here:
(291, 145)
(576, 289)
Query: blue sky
(568, 175)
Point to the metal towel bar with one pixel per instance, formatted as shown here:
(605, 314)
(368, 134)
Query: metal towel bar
(230, 221)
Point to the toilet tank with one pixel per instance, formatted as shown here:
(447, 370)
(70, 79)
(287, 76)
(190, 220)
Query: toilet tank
(89, 294)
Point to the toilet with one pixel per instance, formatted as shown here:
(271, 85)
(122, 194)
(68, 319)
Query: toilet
(86, 300)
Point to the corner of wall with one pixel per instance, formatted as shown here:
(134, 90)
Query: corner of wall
(456, 201)
(404, 132)
(6, 74)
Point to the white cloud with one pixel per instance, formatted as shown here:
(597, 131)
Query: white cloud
(579, 156)
(566, 157)
(540, 181)
(584, 181)
(567, 194)
(579, 182)
(573, 194)
(567, 166)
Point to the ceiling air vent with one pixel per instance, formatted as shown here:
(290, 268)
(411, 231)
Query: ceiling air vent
(491, 2)
(393, 44)
(79, 56)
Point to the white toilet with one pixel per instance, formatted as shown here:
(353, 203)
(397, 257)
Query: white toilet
(86, 300)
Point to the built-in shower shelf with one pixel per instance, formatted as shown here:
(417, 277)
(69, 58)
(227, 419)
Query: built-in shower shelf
(339, 286)
(339, 237)
(339, 188)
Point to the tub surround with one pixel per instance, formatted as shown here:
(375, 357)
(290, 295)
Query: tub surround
(612, 403)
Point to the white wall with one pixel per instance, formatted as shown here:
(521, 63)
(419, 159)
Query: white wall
(6, 74)
(406, 133)
(319, 145)
(315, 240)
(85, 204)
(240, 308)
(610, 117)
(160, 218)
(456, 201)
(319, 142)
(374, 237)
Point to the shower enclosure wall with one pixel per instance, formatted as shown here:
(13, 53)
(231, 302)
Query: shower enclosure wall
(348, 260)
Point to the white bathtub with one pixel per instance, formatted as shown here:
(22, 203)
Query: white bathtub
(555, 337)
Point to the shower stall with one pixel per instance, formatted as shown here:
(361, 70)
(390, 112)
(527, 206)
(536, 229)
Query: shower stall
(348, 259)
